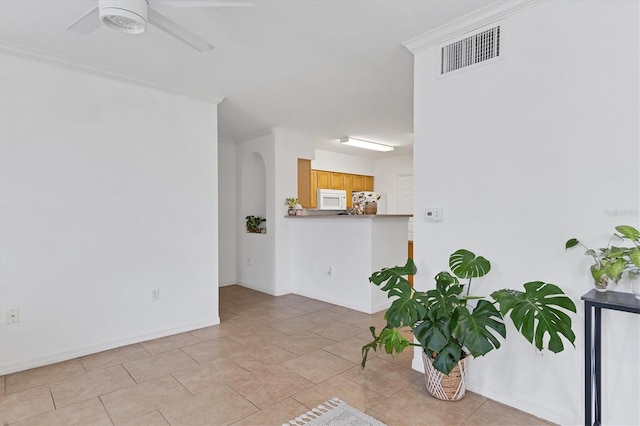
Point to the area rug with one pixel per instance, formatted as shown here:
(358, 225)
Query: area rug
(334, 412)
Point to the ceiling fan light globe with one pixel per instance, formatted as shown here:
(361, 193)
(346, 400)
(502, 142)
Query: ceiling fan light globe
(128, 17)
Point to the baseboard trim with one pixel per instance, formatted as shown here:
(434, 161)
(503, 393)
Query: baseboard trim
(505, 397)
(52, 358)
(257, 288)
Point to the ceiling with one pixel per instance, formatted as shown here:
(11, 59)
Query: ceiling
(325, 68)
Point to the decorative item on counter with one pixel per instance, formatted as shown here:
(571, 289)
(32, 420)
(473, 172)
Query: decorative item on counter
(253, 224)
(611, 262)
(298, 210)
(292, 203)
(365, 202)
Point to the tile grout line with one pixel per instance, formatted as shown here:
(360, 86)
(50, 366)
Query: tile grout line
(105, 408)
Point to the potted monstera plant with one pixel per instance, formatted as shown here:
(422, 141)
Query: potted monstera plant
(450, 323)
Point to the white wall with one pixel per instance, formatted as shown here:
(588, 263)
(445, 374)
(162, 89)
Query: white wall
(386, 172)
(336, 267)
(256, 252)
(289, 146)
(345, 163)
(228, 221)
(108, 191)
(523, 154)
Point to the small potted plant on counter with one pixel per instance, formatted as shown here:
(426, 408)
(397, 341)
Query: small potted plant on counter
(450, 323)
(292, 204)
(253, 224)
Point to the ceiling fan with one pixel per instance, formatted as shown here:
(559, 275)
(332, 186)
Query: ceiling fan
(132, 17)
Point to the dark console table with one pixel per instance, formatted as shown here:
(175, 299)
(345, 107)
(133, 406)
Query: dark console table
(594, 302)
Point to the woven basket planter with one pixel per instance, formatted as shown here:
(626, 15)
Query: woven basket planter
(445, 387)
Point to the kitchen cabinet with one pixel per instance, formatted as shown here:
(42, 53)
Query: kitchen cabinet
(348, 186)
(368, 183)
(309, 180)
(304, 183)
(314, 186)
(357, 182)
(337, 180)
(324, 180)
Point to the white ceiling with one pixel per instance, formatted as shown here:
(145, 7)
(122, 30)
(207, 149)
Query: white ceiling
(325, 68)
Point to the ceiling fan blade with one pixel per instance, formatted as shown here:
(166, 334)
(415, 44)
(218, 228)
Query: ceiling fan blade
(88, 23)
(200, 3)
(182, 34)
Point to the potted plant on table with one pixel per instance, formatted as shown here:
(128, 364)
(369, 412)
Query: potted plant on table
(450, 323)
(611, 262)
(253, 224)
(632, 257)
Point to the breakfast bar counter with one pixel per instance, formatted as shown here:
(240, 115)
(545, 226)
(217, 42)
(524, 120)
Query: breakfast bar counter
(332, 256)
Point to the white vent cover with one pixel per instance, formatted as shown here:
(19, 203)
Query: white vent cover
(474, 49)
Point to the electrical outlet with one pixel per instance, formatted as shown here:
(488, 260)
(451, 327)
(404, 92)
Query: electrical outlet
(13, 316)
(155, 295)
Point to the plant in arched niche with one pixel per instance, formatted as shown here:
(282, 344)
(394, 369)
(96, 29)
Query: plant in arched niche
(253, 224)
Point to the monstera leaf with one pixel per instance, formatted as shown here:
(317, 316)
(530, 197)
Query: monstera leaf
(475, 330)
(537, 312)
(465, 264)
(390, 338)
(407, 309)
(393, 276)
(445, 297)
(433, 335)
(448, 357)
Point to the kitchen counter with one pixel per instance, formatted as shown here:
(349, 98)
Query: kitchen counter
(350, 216)
(332, 256)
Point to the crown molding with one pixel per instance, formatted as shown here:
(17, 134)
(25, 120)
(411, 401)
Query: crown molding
(255, 135)
(225, 141)
(460, 26)
(98, 70)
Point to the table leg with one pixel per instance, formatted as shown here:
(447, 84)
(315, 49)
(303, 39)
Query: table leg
(588, 379)
(597, 358)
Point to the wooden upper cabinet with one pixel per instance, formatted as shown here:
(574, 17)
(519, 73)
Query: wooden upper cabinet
(310, 180)
(357, 183)
(324, 179)
(337, 180)
(348, 186)
(305, 190)
(314, 186)
(368, 183)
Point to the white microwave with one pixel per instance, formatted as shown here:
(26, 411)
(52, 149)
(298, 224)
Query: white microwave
(331, 199)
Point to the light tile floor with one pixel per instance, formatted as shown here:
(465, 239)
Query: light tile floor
(270, 359)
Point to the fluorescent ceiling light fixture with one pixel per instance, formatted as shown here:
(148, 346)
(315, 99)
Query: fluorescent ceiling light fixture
(366, 144)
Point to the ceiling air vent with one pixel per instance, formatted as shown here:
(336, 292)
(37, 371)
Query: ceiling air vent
(477, 48)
